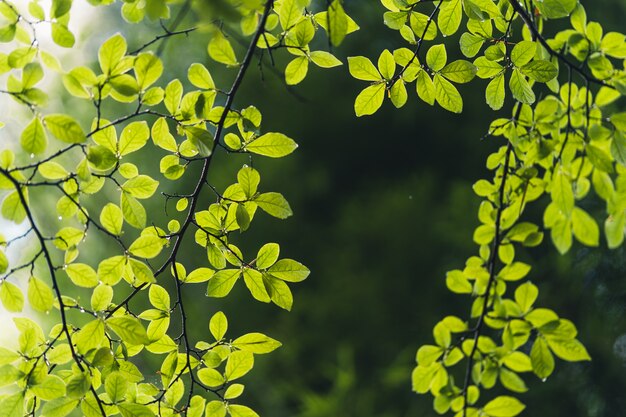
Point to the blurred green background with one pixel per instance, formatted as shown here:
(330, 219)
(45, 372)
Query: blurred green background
(383, 208)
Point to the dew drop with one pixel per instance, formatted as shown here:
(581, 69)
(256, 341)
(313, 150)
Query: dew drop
(82, 310)
(410, 197)
(32, 155)
(60, 217)
(544, 379)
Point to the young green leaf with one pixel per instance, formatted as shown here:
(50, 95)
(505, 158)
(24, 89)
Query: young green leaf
(369, 100)
(362, 68)
(274, 145)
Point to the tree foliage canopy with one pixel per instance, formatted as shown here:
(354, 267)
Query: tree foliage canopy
(563, 141)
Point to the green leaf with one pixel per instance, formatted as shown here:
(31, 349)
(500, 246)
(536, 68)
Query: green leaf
(618, 147)
(59, 407)
(296, 70)
(274, 145)
(159, 298)
(40, 295)
(436, 57)
(362, 68)
(134, 410)
(562, 194)
(249, 179)
(398, 94)
(447, 95)
(279, 292)
(521, 89)
(215, 409)
(274, 204)
(82, 275)
(459, 71)
(34, 138)
(541, 358)
(200, 77)
(518, 362)
(221, 50)
(141, 186)
(514, 271)
(11, 297)
(12, 208)
(369, 100)
(52, 170)
(60, 8)
(289, 13)
(470, 44)
(504, 406)
(101, 297)
(614, 230)
(585, 228)
(134, 137)
(201, 139)
(233, 391)
(64, 128)
(542, 71)
(148, 69)
(337, 23)
(13, 405)
(236, 410)
(495, 93)
(458, 283)
(90, 336)
(141, 271)
(289, 270)
(422, 377)
(9, 374)
(111, 53)
(218, 325)
(210, 377)
(115, 386)
(256, 343)
(395, 20)
(386, 64)
(49, 388)
(449, 18)
(425, 88)
(222, 282)
(324, 59)
(162, 137)
(526, 295)
(7, 356)
(4, 262)
(254, 281)
(554, 9)
(61, 35)
(111, 218)
(486, 68)
(422, 26)
(267, 255)
(134, 212)
(101, 157)
(428, 354)
(239, 363)
(568, 349)
(199, 275)
(523, 52)
(110, 270)
(129, 329)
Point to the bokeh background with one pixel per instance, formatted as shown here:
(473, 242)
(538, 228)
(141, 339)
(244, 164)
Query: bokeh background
(383, 208)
